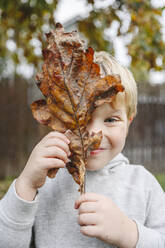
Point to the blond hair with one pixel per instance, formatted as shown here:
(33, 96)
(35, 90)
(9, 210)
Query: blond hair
(109, 65)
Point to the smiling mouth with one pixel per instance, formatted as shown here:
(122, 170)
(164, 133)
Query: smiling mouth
(95, 152)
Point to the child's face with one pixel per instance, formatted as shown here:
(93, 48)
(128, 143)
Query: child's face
(114, 125)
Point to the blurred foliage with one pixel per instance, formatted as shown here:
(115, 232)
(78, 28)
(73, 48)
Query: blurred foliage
(23, 20)
(146, 44)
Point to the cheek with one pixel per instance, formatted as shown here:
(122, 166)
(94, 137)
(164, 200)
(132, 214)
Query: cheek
(117, 136)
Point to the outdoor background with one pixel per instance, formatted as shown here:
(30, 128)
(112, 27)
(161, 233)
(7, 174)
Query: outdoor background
(132, 30)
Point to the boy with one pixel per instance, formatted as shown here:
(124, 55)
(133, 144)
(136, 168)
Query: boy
(126, 208)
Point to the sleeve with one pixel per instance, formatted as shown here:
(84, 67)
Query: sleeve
(152, 233)
(16, 220)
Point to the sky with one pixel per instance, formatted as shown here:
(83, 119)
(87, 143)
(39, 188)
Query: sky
(66, 10)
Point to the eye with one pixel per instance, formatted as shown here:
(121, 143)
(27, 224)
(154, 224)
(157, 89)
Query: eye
(111, 119)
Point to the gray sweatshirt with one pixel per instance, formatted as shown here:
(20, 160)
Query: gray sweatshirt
(51, 220)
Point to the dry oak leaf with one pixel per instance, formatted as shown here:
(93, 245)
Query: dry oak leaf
(73, 87)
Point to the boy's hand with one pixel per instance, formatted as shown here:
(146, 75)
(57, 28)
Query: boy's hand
(51, 152)
(99, 217)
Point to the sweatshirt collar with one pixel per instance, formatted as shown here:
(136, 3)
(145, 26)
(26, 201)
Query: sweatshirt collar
(120, 159)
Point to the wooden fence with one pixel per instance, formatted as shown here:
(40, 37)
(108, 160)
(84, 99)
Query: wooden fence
(146, 140)
(19, 132)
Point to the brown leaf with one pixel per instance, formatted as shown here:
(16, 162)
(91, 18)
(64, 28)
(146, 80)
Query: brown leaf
(73, 87)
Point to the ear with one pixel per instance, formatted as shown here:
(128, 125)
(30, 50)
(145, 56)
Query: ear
(129, 123)
(130, 119)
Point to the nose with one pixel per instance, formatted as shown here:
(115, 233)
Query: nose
(94, 126)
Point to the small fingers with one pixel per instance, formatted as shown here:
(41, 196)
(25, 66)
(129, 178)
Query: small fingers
(50, 163)
(90, 230)
(88, 219)
(87, 207)
(88, 197)
(55, 134)
(55, 152)
(56, 142)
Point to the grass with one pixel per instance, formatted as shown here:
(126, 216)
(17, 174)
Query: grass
(161, 180)
(4, 184)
